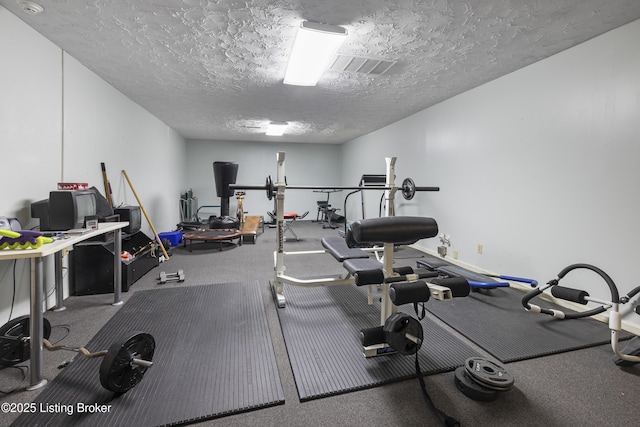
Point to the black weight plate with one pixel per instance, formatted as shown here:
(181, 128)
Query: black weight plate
(12, 349)
(472, 389)
(397, 326)
(489, 374)
(117, 372)
(408, 189)
(270, 188)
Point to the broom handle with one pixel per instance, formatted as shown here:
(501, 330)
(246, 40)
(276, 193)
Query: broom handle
(107, 186)
(124, 172)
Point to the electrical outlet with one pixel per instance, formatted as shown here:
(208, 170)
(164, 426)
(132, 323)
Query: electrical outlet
(480, 248)
(455, 254)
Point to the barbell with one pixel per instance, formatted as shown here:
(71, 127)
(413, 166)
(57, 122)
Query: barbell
(408, 188)
(123, 365)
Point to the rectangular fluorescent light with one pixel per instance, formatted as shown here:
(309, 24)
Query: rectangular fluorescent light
(277, 128)
(314, 48)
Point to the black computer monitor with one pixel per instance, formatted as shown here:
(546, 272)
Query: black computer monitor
(68, 209)
(133, 215)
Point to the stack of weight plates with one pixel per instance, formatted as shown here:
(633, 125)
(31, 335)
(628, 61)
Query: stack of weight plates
(481, 379)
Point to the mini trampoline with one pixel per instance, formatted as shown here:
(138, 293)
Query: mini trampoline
(216, 235)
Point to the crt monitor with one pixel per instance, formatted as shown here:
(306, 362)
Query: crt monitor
(68, 209)
(132, 215)
(40, 210)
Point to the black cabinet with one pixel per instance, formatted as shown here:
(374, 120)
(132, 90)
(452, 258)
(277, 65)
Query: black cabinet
(91, 264)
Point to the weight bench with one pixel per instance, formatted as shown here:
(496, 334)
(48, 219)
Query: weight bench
(290, 218)
(250, 228)
(390, 231)
(397, 285)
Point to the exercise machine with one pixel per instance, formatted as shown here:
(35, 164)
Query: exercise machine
(240, 214)
(361, 270)
(277, 190)
(631, 354)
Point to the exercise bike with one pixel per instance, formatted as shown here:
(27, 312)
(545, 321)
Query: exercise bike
(631, 354)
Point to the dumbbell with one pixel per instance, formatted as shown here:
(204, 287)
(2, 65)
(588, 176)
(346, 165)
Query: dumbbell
(171, 277)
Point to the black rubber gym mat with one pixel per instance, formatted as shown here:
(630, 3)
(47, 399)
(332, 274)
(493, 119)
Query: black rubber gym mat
(496, 321)
(214, 357)
(321, 328)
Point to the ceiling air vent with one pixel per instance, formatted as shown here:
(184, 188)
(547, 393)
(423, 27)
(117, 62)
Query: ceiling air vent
(359, 64)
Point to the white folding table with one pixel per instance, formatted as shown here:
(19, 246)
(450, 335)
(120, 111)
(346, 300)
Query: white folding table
(37, 284)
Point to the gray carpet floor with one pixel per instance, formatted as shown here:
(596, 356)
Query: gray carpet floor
(580, 387)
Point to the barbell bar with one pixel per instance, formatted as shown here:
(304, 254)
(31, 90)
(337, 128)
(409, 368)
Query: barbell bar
(408, 188)
(90, 355)
(123, 364)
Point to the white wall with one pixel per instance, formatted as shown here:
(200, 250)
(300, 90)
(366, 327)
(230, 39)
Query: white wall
(102, 125)
(541, 166)
(58, 122)
(305, 164)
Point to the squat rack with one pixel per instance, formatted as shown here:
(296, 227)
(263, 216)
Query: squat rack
(278, 189)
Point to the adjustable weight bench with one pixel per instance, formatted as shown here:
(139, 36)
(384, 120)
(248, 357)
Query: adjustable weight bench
(397, 286)
(390, 231)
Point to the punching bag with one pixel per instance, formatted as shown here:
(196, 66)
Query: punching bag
(224, 173)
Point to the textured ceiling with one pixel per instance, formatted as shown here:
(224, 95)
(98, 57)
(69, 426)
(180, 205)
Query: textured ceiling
(213, 69)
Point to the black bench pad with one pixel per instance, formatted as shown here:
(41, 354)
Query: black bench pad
(394, 229)
(337, 247)
(355, 265)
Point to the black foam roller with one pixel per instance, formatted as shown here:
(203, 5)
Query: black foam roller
(372, 336)
(405, 293)
(570, 294)
(368, 277)
(458, 285)
(394, 229)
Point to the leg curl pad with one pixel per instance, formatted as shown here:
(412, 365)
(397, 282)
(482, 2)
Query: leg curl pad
(405, 293)
(458, 285)
(394, 229)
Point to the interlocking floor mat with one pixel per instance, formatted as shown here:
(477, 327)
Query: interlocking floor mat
(321, 327)
(496, 321)
(213, 357)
